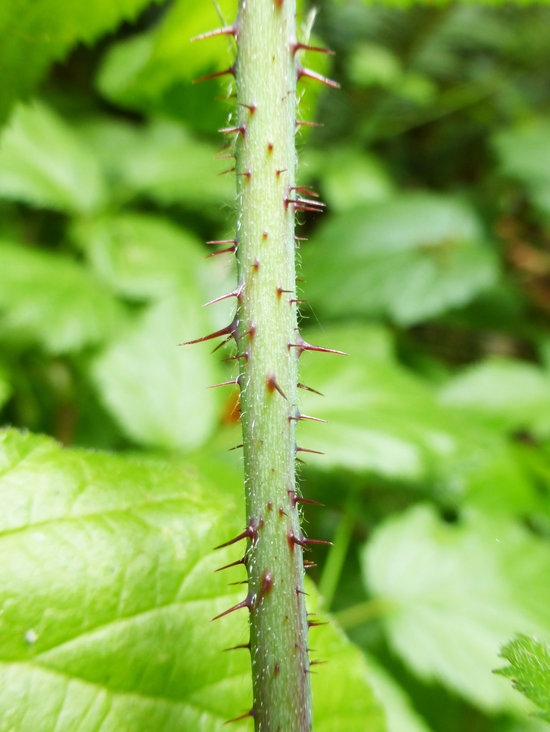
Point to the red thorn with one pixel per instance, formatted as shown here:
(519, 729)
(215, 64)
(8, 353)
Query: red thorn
(231, 130)
(308, 388)
(304, 449)
(306, 190)
(303, 123)
(311, 624)
(232, 249)
(299, 415)
(251, 713)
(242, 560)
(294, 498)
(234, 293)
(236, 357)
(272, 384)
(310, 74)
(224, 383)
(265, 235)
(316, 541)
(309, 565)
(225, 72)
(227, 30)
(279, 171)
(251, 532)
(247, 175)
(295, 46)
(241, 582)
(224, 157)
(317, 663)
(251, 107)
(269, 147)
(303, 345)
(229, 330)
(300, 238)
(225, 172)
(222, 241)
(280, 291)
(294, 300)
(301, 592)
(237, 447)
(236, 648)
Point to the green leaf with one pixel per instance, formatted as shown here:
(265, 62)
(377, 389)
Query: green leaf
(523, 154)
(529, 670)
(156, 391)
(143, 256)
(410, 258)
(35, 33)
(108, 588)
(384, 419)
(510, 394)
(457, 592)
(52, 300)
(162, 161)
(45, 164)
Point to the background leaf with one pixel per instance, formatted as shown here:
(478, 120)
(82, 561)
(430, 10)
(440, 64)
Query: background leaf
(479, 581)
(44, 163)
(411, 258)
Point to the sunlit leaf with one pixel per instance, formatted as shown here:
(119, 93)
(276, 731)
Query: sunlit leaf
(108, 589)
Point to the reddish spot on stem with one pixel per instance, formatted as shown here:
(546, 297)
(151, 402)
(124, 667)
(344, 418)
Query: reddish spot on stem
(251, 107)
(265, 235)
(270, 147)
(276, 670)
(266, 585)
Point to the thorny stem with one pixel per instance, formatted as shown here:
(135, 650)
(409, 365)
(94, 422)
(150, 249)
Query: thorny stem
(268, 347)
(266, 86)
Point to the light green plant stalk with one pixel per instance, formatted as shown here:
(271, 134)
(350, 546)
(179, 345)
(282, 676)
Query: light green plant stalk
(268, 347)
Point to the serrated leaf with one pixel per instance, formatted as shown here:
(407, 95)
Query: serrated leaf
(510, 394)
(457, 592)
(108, 587)
(411, 258)
(162, 161)
(45, 164)
(53, 301)
(35, 33)
(384, 419)
(529, 670)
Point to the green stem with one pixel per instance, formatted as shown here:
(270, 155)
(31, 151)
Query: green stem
(267, 325)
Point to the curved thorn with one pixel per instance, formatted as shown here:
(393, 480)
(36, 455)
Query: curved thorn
(244, 603)
(225, 72)
(229, 330)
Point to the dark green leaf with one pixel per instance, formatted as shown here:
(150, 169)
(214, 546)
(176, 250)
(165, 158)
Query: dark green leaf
(35, 33)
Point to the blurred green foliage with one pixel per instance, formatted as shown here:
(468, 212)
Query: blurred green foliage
(431, 268)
